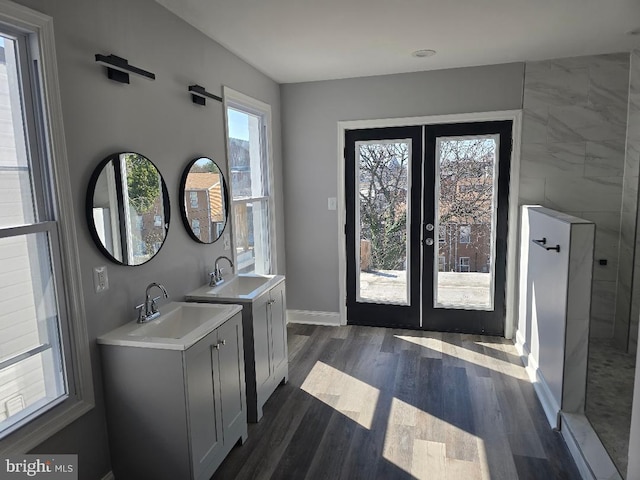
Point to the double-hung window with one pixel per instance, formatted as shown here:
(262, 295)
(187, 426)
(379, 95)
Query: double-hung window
(251, 180)
(465, 264)
(465, 233)
(45, 378)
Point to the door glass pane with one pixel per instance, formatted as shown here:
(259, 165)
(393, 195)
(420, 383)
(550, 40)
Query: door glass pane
(465, 199)
(17, 205)
(383, 210)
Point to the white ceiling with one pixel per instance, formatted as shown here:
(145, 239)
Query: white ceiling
(304, 40)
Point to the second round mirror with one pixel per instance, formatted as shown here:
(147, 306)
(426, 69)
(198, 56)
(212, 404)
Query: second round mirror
(203, 200)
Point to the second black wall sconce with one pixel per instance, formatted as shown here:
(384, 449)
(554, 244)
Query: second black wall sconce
(199, 95)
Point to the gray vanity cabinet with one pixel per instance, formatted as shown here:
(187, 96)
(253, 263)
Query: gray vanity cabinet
(270, 347)
(176, 413)
(264, 323)
(278, 326)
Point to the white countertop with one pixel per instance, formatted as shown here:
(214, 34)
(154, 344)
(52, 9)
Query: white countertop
(172, 329)
(232, 290)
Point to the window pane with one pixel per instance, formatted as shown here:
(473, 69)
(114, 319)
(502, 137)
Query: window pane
(17, 205)
(465, 234)
(383, 209)
(252, 236)
(246, 155)
(28, 323)
(465, 200)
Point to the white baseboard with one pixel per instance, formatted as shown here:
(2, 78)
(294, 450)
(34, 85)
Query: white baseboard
(519, 343)
(549, 404)
(583, 443)
(308, 317)
(109, 476)
(587, 450)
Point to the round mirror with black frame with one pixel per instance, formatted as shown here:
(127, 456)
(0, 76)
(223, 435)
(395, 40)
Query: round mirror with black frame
(204, 200)
(127, 208)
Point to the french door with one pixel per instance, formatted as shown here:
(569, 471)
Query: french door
(383, 184)
(426, 226)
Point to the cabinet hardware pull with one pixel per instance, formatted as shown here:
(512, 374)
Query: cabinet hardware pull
(222, 342)
(271, 302)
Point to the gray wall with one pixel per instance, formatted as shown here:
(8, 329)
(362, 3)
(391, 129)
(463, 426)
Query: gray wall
(310, 115)
(156, 119)
(573, 141)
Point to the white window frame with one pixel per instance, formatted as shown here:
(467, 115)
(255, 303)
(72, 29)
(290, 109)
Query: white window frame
(442, 233)
(64, 256)
(467, 265)
(467, 236)
(193, 197)
(240, 101)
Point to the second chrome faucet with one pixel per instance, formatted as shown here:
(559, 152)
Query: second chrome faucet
(215, 277)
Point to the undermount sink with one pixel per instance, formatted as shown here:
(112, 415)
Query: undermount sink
(179, 326)
(237, 287)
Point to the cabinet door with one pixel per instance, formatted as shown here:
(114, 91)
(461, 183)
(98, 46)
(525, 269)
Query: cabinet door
(203, 385)
(231, 356)
(262, 342)
(278, 327)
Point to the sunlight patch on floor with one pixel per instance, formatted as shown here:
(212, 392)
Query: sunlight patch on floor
(353, 398)
(426, 459)
(437, 348)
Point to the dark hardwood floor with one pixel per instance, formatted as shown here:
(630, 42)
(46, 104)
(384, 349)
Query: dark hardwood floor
(374, 403)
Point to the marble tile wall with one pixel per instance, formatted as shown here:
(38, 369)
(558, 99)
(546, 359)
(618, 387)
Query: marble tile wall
(630, 200)
(573, 155)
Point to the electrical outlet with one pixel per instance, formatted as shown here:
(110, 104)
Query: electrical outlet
(100, 279)
(226, 241)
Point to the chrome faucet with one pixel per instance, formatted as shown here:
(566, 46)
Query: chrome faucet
(215, 277)
(149, 309)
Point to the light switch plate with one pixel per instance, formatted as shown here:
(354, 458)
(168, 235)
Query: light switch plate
(100, 279)
(226, 242)
(332, 203)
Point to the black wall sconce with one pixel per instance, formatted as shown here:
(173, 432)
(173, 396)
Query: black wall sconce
(118, 68)
(199, 95)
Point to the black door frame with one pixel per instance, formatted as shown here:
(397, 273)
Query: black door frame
(514, 116)
(379, 314)
(459, 320)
